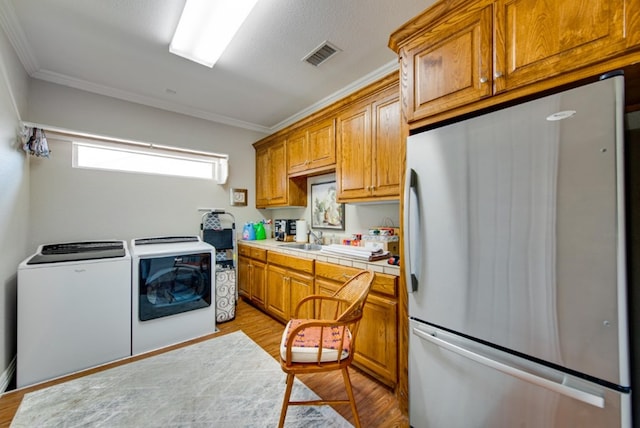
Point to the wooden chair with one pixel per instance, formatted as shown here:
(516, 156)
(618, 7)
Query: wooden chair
(327, 342)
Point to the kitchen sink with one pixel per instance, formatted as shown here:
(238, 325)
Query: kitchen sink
(302, 246)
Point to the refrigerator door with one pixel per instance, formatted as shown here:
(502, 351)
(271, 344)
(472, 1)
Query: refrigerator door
(458, 383)
(514, 229)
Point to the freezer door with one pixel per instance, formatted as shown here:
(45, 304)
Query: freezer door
(457, 383)
(514, 227)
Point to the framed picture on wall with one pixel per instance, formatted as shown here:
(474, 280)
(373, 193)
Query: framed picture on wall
(238, 197)
(326, 213)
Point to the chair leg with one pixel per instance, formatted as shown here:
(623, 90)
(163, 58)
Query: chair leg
(352, 400)
(285, 403)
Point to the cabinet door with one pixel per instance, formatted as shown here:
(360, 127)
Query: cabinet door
(278, 292)
(537, 39)
(258, 282)
(263, 177)
(300, 286)
(244, 288)
(322, 145)
(386, 147)
(278, 173)
(377, 343)
(449, 64)
(297, 148)
(353, 170)
(325, 287)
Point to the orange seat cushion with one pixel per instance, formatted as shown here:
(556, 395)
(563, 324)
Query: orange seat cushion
(307, 343)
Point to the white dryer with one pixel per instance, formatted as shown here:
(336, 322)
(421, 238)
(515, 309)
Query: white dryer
(74, 309)
(172, 291)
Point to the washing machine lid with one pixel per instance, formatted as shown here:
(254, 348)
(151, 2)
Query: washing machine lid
(168, 245)
(75, 251)
(165, 240)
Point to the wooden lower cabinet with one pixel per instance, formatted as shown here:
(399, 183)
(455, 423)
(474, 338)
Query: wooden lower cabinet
(377, 344)
(301, 286)
(278, 289)
(278, 285)
(289, 280)
(252, 274)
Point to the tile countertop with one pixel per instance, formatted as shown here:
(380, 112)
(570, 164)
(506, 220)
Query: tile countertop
(272, 245)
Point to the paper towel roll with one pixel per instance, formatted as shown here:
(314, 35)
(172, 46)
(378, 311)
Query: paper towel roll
(301, 231)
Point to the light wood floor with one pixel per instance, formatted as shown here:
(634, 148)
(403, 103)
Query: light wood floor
(376, 403)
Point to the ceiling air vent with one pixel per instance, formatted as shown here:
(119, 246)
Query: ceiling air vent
(320, 54)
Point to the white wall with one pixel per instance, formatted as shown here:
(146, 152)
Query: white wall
(72, 204)
(358, 217)
(14, 200)
(46, 200)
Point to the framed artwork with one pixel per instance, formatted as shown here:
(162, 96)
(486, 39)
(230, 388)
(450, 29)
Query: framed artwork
(326, 213)
(238, 197)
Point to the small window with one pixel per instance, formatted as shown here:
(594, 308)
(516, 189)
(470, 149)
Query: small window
(150, 159)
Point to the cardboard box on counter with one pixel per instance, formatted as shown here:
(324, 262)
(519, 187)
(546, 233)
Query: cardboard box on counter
(388, 243)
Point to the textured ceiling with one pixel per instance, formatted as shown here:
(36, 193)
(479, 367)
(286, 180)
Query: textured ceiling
(119, 48)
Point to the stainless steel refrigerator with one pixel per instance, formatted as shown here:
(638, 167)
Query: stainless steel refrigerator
(515, 265)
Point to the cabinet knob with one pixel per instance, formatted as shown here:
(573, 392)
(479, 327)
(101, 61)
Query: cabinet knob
(497, 74)
(483, 80)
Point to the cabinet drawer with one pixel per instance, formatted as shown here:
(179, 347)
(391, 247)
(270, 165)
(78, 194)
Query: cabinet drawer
(382, 283)
(385, 284)
(259, 254)
(334, 272)
(252, 252)
(295, 263)
(244, 250)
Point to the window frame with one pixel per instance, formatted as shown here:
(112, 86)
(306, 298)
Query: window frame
(218, 162)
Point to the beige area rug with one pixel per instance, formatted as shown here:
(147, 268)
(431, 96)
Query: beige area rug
(228, 381)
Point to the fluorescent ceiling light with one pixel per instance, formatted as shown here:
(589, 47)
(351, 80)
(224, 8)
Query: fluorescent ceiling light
(206, 27)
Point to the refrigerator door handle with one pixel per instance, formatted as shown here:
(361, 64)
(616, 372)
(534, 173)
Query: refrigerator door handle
(586, 397)
(410, 187)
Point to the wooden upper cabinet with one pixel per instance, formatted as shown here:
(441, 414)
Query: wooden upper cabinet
(353, 171)
(386, 164)
(312, 149)
(297, 151)
(278, 182)
(359, 137)
(450, 64)
(369, 139)
(536, 39)
(273, 187)
(263, 185)
(459, 54)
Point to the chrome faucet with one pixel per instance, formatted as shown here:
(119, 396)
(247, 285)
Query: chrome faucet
(317, 238)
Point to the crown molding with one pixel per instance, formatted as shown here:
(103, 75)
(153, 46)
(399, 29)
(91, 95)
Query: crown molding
(338, 95)
(12, 28)
(65, 80)
(61, 79)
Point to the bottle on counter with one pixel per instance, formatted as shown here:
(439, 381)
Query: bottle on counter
(260, 231)
(268, 229)
(248, 232)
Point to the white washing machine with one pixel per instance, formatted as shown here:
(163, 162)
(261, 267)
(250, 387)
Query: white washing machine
(74, 309)
(172, 291)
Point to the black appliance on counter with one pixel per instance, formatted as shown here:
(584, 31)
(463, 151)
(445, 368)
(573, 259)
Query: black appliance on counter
(284, 229)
